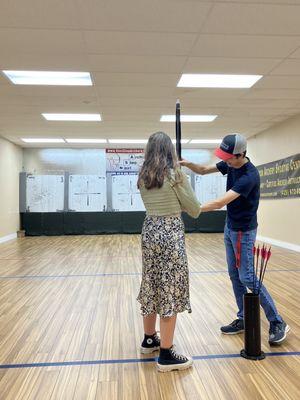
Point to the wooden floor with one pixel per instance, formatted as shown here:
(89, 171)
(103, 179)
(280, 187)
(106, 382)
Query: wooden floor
(70, 326)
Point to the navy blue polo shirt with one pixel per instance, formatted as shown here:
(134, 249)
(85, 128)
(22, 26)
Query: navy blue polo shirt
(242, 212)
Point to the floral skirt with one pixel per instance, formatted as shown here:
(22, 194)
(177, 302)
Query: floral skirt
(165, 279)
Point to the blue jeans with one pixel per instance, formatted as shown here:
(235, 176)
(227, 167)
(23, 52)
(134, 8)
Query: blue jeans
(242, 277)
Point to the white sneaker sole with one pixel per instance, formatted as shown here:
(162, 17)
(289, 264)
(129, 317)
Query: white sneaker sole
(146, 350)
(286, 331)
(174, 367)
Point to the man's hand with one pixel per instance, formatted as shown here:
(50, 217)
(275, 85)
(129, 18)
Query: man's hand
(221, 202)
(184, 163)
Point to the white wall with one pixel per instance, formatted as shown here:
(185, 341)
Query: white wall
(10, 166)
(278, 219)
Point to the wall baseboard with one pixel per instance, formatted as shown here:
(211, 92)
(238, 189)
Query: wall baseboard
(279, 243)
(8, 237)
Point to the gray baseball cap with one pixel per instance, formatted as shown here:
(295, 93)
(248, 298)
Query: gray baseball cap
(230, 146)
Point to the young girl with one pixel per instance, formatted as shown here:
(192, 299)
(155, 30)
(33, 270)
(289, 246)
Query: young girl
(166, 192)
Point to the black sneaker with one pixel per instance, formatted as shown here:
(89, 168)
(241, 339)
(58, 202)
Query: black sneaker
(170, 360)
(278, 332)
(237, 326)
(150, 344)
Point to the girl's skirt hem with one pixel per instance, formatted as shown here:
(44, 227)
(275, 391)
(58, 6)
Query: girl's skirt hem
(163, 313)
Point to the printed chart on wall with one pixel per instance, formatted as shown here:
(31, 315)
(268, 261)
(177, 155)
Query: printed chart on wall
(210, 187)
(124, 160)
(87, 193)
(44, 193)
(123, 166)
(125, 194)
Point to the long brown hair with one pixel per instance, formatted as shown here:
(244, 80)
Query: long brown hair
(160, 157)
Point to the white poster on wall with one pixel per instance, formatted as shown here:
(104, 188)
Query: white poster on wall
(197, 156)
(87, 193)
(124, 160)
(45, 193)
(210, 187)
(125, 194)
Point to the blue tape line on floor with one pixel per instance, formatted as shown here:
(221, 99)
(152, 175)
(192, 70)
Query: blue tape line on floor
(134, 360)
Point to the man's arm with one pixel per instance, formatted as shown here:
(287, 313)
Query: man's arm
(199, 169)
(221, 202)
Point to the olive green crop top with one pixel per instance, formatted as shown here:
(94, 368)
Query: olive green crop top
(172, 198)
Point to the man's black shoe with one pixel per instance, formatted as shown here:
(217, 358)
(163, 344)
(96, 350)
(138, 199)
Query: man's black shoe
(237, 326)
(278, 332)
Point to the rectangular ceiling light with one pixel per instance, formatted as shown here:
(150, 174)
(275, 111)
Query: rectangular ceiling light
(72, 117)
(49, 78)
(129, 141)
(189, 118)
(42, 140)
(218, 81)
(86, 140)
(183, 141)
(206, 141)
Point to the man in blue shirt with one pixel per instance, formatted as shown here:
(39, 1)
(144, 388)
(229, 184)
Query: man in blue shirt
(241, 199)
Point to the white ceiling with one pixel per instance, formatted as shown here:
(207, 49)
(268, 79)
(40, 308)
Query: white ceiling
(136, 51)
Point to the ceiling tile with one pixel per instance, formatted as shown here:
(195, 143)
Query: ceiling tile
(41, 41)
(296, 54)
(136, 51)
(139, 43)
(211, 93)
(48, 100)
(39, 14)
(135, 91)
(4, 80)
(143, 15)
(49, 91)
(221, 65)
(12, 60)
(137, 102)
(287, 67)
(282, 2)
(245, 46)
(251, 112)
(187, 101)
(273, 94)
(141, 64)
(279, 82)
(265, 103)
(271, 19)
(134, 79)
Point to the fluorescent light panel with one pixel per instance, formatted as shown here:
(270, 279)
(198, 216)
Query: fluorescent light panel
(183, 141)
(218, 81)
(86, 140)
(72, 117)
(188, 118)
(42, 140)
(129, 141)
(49, 78)
(116, 141)
(206, 141)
